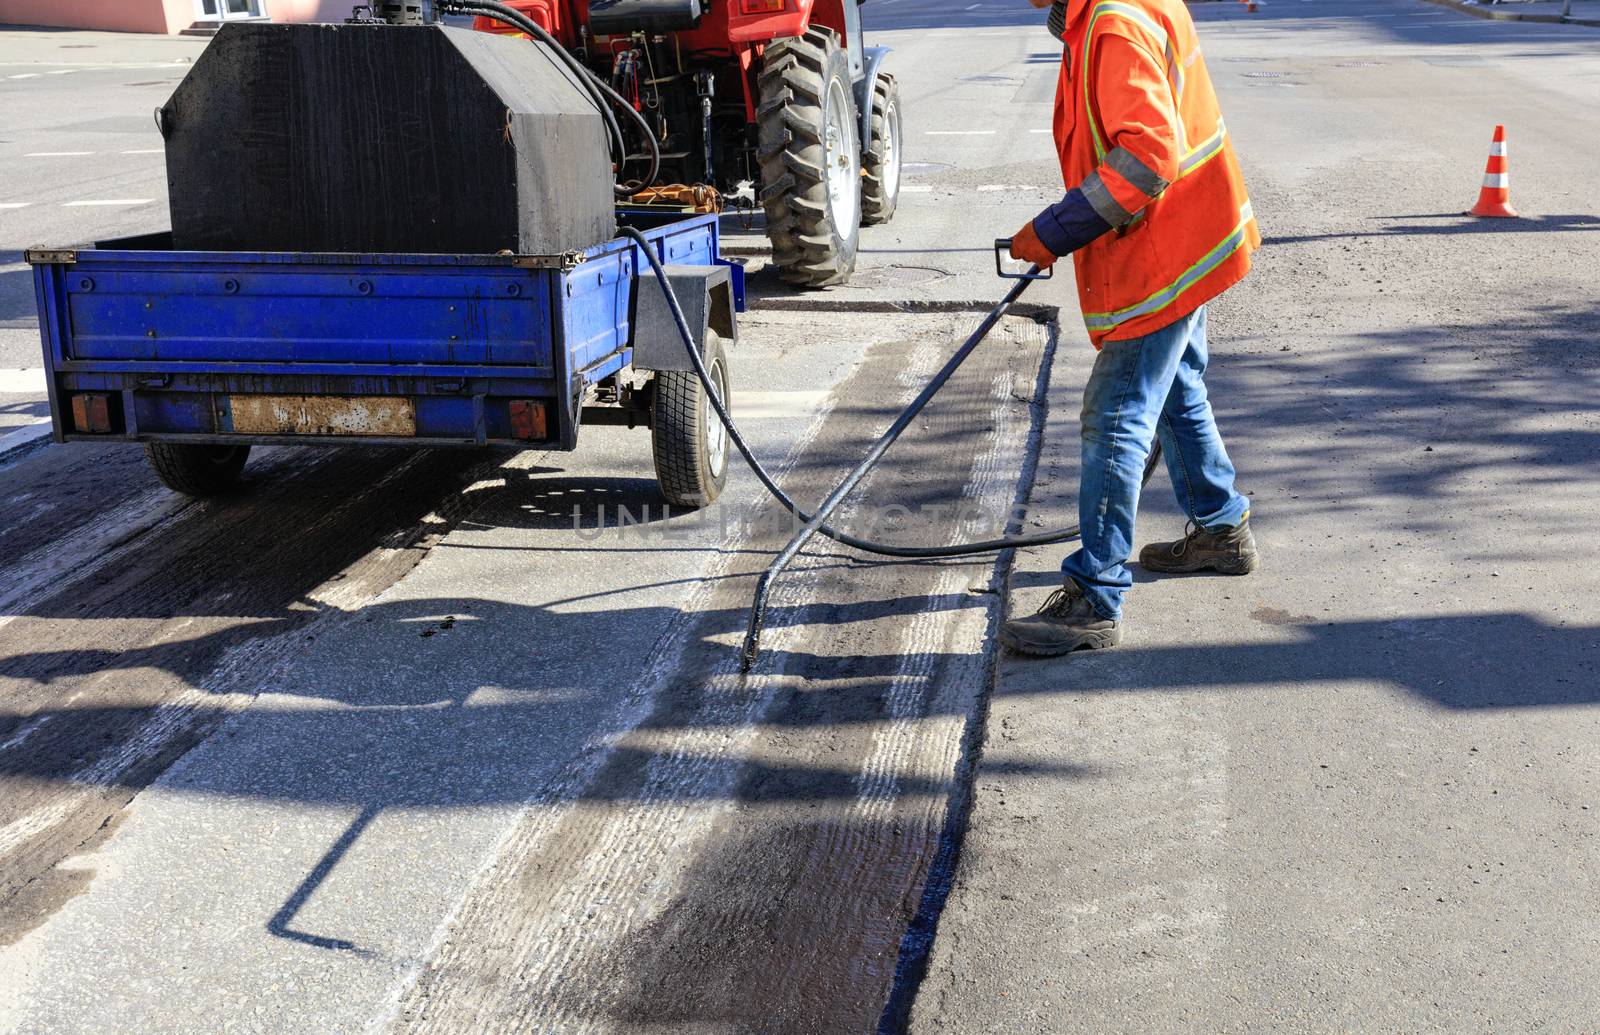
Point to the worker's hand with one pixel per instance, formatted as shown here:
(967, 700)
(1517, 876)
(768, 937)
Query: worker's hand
(1026, 247)
(1041, 4)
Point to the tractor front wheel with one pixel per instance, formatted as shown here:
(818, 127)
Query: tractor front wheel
(810, 158)
(880, 180)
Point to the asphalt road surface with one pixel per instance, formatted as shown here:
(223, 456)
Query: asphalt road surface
(397, 740)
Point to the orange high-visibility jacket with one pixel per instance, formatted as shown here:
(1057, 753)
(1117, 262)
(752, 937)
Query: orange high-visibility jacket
(1140, 134)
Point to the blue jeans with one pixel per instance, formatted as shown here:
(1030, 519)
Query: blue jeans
(1139, 389)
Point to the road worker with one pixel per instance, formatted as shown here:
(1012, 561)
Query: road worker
(1158, 223)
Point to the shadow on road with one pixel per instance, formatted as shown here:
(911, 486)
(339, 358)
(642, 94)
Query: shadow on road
(1451, 223)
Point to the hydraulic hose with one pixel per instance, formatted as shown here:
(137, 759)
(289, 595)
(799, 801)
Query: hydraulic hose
(599, 91)
(1059, 535)
(814, 523)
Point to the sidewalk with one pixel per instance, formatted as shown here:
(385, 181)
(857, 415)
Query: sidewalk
(87, 48)
(1584, 12)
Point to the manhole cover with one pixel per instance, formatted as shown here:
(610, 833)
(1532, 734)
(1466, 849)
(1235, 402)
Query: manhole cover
(1264, 75)
(922, 168)
(897, 276)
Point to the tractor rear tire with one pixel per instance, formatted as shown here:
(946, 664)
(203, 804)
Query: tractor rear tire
(807, 129)
(880, 165)
(196, 470)
(688, 439)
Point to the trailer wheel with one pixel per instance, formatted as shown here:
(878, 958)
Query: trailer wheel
(880, 166)
(688, 439)
(810, 158)
(196, 470)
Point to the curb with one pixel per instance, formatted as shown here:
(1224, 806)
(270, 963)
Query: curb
(1489, 13)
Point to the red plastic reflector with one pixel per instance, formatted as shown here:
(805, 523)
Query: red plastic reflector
(760, 6)
(528, 420)
(91, 412)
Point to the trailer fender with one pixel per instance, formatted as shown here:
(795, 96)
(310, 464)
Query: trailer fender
(872, 62)
(705, 293)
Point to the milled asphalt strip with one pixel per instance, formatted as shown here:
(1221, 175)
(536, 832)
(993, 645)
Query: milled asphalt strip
(702, 766)
(527, 835)
(916, 947)
(619, 869)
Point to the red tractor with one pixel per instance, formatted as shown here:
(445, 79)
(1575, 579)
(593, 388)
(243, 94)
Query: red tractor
(777, 94)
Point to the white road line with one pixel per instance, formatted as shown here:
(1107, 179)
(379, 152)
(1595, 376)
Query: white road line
(959, 132)
(915, 188)
(14, 204)
(61, 71)
(56, 154)
(26, 75)
(146, 151)
(1040, 131)
(991, 187)
(106, 201)
(29, 381)
(973, 7)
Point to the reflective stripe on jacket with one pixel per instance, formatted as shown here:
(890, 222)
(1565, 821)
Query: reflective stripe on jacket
(1140, 134)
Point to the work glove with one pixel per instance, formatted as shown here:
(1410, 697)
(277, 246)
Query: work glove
(1026, 247)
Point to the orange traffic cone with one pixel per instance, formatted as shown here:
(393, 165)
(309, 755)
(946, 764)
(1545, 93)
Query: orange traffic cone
(1494, 200)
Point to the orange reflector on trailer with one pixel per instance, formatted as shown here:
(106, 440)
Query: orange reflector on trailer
(91, 412)
(760, 6)
(528, 420)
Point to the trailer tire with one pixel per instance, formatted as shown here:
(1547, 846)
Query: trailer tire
(880, 165)
(807, 111)
(196, 470)
(688, 440)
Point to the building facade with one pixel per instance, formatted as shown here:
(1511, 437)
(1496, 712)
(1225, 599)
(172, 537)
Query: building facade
(168, 16)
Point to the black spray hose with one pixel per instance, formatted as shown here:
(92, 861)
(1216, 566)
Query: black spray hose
(599, 91)
(818, 522)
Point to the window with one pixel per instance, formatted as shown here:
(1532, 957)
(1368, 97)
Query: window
(218, 10)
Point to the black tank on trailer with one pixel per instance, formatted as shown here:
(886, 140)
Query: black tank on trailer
(382, 138)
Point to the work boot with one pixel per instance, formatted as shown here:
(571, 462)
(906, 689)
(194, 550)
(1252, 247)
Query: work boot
(1065, 623)
(1230, 550)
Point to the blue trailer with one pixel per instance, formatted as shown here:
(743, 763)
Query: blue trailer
(200, 355)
